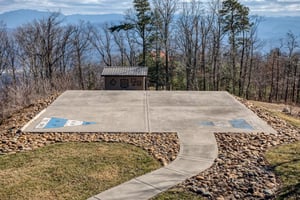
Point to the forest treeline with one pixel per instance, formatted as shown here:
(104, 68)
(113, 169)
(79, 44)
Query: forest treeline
(186, 45)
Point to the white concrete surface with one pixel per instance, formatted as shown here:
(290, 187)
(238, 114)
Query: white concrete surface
(155, 111)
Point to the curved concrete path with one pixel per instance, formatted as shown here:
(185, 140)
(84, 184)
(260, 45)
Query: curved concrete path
(195, 116)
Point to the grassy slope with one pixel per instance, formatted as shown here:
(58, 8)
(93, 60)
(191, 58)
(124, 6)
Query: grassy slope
(285, 159)
(275, 109)
(70, 170)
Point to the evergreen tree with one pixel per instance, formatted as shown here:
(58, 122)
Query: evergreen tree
(235, 19)
(140, 21)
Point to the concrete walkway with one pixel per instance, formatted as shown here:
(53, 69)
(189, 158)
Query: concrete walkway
(195, 116)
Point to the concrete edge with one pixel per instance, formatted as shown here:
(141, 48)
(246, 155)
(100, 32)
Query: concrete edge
(271, 129)
(33, 119)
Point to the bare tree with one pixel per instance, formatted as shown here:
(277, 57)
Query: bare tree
(291, 44)
(80, 40)
(40, 44)
(119, 39)
(101, 39)
(49, 43)
(12, 59)
(215, 43)
(4, 45)
(27, 39)
(248, 44)
(66, 49)
(274, 56)
(206, 27)
(127, 45)
(165, 10)
(187, 29)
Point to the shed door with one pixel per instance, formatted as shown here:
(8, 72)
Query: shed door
(124, 83)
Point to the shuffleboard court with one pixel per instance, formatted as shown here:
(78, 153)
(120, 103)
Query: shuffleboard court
(146, 111)
(195, 116)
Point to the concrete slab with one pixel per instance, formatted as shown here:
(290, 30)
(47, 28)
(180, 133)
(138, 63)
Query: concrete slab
(195, 116)
(202, 151)
(190, 166)
(111, 111)
(130, 190)
(119, 111)
(163, 178)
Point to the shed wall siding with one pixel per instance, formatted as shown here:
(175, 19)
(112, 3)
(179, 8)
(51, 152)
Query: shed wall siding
(125, 83)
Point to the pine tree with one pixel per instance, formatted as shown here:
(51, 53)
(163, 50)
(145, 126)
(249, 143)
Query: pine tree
(140, 21)
(235, 19)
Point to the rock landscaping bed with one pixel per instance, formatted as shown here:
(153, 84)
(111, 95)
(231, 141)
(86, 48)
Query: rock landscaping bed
(162, 146)
(239, 172)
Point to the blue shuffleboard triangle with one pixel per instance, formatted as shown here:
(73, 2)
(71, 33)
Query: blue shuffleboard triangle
(241, 124)
(56, 123)
(88, 123)
(207, 123)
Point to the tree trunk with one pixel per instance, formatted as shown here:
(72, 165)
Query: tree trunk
(298, 90)
(277, 80)
(294, 83)
(80, 70)
(242, 66)
(272, 79)
(168, 86)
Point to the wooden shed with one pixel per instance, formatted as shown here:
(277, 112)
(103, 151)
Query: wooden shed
(125, 78)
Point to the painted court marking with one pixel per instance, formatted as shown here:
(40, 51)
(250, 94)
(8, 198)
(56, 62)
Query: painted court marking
(55, 122)
(234, 123)
(240, 123)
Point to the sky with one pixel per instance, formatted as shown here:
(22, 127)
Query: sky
(68, 7)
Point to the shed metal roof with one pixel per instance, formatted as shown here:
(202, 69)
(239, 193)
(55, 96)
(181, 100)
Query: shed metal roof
(125, 71)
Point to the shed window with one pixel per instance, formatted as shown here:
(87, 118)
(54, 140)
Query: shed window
(113, 82)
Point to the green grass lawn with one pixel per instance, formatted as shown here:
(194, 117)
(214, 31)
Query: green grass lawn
(71, 170)
(173, 194)
(289, 119)
(275, 110)
(285, 160)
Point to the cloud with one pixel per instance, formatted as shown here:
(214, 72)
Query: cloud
(260, 7)
(273, 7)
(68, 6)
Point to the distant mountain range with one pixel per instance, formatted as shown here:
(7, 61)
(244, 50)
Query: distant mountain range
(271, 29)
(17, 18)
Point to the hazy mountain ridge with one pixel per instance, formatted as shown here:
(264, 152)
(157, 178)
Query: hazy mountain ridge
(17, 18)
(271, 29)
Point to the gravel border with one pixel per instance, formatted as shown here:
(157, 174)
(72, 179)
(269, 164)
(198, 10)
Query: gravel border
(239, 172)
(162, 146)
